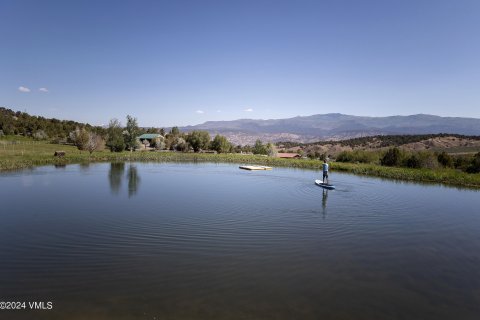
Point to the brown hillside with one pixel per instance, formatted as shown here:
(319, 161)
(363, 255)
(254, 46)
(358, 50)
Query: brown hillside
(450, 144)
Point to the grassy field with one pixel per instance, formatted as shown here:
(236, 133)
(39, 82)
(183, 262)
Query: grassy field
(27, 153)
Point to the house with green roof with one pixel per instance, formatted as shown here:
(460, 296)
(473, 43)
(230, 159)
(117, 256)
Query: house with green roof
(150, 137)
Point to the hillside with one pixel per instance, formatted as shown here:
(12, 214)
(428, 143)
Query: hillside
(335, 126)
(22, 123)
(453, 144)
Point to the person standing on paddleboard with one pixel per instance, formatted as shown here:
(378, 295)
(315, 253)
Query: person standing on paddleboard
(325, 170)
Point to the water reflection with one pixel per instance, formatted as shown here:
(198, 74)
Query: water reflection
(133, 180)
(324, 202)
(84, 166)
(116, 175)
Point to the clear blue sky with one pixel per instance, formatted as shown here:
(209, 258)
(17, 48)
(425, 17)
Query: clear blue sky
(185, 62)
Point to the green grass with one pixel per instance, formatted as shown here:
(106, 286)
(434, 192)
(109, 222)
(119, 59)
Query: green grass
(11, 138)
(25, 154)
(443, 175)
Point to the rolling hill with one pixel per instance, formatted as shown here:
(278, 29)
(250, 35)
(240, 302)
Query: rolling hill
(335, 126)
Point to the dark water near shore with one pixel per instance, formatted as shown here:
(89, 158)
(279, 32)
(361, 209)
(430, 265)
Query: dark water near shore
(207, 241)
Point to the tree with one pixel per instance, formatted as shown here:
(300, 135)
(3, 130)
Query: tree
(176, 143)
(12, 122)
(259, 148)
(130, 134)
(221, 144)
(95, 142)
(115, 141)
(158, 143)
(174, 131)
(180, 144)
(80, 138)
(198, 140)
(271, 150)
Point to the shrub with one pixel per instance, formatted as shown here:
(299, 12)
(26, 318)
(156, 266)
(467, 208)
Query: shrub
(345, 156)
(462, 162)
(40, 135)
(360, 156)
(427, 160)
(413, 162)
(445, 160)
(315, 154)
(421, 159)
(392, 157)
(474, 166)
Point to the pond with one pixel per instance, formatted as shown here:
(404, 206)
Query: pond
(210, 241)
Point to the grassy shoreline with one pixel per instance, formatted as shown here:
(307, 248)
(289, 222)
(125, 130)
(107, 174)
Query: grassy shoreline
(30, 155)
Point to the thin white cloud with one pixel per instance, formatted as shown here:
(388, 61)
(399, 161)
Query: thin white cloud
(199, 111)
(23, 89)
(219, 110)
(248, 110)
(43, 89)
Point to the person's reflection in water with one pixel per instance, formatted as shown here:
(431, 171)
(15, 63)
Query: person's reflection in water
(115, 176)
(133, 180)
(324, 202)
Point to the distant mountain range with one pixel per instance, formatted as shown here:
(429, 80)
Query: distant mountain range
(335, 126)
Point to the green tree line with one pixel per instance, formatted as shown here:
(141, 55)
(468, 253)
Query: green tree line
(39, 128)
(396, 157)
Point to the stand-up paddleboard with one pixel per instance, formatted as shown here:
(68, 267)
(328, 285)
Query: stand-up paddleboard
(324, 185)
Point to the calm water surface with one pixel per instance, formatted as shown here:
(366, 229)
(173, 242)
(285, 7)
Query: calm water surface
(210, 241)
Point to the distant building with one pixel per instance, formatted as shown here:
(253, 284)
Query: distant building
(288, 155)
(149, 137)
